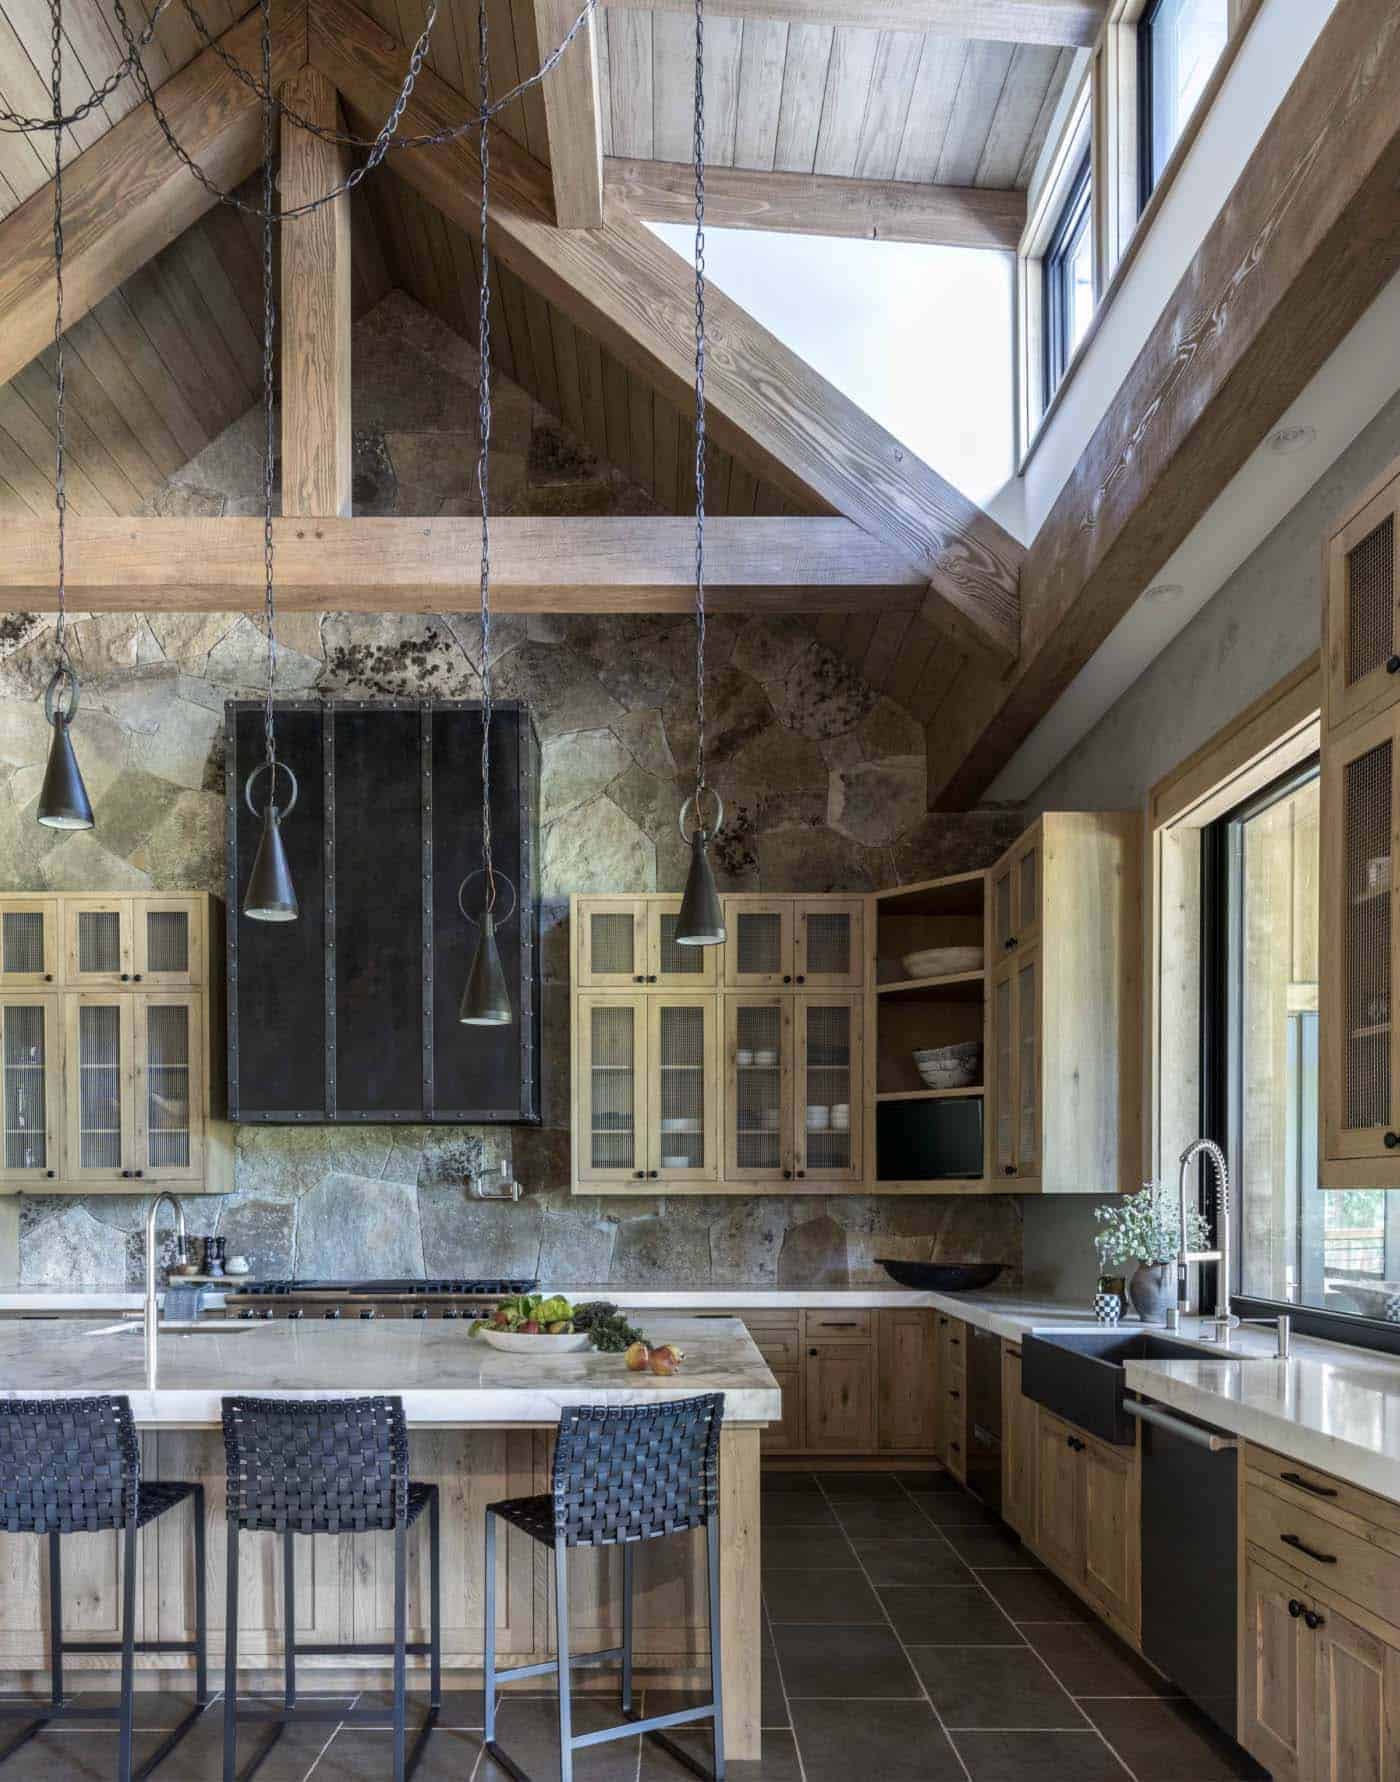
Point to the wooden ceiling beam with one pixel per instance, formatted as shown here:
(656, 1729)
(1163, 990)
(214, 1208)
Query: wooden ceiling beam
(1302, 246)
(127, 196)
(572, 565)
(817, 204)
(632, 293)
(1069, 23)
(573, 116)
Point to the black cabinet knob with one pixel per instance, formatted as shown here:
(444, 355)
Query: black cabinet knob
(368, 1312)
(138, 1172)
(1010, 1169)
(640, 1174)
(136, 977)
(48, 977)
(787, 1175)
(801, 978)
(1312, 1620)
(652, 978)
(297, 1312)
(800, 1174)
(639, 979)
(1392, 665)
(787, 978)
(126, 977)
(812, 1354)
(653, 1173)
(1010, 942)
(952, 1393)
(126, 1175)
(333, 1313)
(50, 1173)
(1392, 1139)
(1295, 1608)
(420, 1315)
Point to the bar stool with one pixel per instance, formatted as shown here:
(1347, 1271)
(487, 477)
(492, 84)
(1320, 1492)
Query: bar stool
(622, 1474)
(72, 1466)
(327, 1466)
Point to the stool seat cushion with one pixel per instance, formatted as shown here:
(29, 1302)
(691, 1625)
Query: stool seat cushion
(155, 1497)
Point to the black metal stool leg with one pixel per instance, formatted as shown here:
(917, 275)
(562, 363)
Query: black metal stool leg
(128, 1703)
(400, 1640)
(561, 1616)
(488, 1662)
(629, 1554)
(716, 1655)
(289, 1621)
(55, 1620)
(231, 1657)
(435, 1601)
(201, 1603)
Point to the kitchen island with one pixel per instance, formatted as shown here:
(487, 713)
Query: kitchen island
(480, 1426)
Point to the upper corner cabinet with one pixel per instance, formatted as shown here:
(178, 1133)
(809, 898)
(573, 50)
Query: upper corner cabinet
(350, 1013)
(1361, 628)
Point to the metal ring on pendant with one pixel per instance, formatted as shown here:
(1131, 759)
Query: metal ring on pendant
(64, 675)
(270, 767)
(693, 803)
(481, 873)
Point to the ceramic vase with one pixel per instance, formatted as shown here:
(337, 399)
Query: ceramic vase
(1149, 1290)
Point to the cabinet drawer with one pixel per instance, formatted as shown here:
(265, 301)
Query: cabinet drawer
(777, 1351)
(1309, 1486)
(952, 1345)
(837, 1326)
(1340, 1559)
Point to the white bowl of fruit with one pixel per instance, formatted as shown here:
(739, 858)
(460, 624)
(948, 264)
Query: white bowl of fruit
(533, 1324)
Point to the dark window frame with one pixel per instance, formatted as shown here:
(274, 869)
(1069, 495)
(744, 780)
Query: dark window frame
(1148, 176)
(1222, 858)
(1075, 213)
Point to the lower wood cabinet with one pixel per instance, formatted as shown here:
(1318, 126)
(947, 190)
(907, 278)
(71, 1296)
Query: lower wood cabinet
(838, 1398)
(1087, 1518)
(1275, 1680)
(1020, 1433)
(906, 1369)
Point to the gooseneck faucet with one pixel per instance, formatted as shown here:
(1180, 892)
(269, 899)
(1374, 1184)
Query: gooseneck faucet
(152, 1314)
(1224, 1318)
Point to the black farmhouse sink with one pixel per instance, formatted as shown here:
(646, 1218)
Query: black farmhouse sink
(1078, 1374)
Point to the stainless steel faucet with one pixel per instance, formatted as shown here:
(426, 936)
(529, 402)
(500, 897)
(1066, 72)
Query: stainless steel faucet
(152, 1315)
(1224, 1319)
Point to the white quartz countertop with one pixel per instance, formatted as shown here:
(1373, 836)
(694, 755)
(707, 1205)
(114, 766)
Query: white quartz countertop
(444, 1375)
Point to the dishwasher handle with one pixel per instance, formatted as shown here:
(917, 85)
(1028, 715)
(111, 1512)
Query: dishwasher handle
(1199, 1438)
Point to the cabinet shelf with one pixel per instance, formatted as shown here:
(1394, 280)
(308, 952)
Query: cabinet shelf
(1374, 1032)
(914, 986)
(931, 1094)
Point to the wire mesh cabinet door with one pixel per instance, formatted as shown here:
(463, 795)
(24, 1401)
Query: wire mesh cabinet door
(30, 943)
(610, 1122)
(168, 942)
(168, 1098)
(611, 942)
(829, 943)
(1360, 821)
(673, 967)
(30, 1089)
(758, 953)
(683, 1089)
(98, 1072)
(98, 950)
(1361, 637)
(758, 1042)
(829, 1088)
(1001, 1081)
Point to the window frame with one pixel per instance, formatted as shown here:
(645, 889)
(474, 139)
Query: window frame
(1146, 182)
(1073, 220)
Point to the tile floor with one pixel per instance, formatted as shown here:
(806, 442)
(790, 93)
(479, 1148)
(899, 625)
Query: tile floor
(908, 1637)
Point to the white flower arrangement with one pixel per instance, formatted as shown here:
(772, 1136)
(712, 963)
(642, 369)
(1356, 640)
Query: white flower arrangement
(1147, 1228)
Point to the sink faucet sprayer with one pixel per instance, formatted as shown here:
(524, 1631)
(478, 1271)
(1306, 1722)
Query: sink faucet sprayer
(151, 1315)
(1224, 1318)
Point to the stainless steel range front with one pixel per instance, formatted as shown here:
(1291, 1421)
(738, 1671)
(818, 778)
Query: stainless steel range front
(407, 1298)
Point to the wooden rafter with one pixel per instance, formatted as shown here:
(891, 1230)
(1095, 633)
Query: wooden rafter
(127, 196)
(1304, 243)
(613, 565)
(817, 204)
(573, 116)
(634, 294)
(1072, 23)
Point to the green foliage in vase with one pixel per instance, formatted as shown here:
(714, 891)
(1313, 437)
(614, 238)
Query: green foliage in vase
(1146, 1227)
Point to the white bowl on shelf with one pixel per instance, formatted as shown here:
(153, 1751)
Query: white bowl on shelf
(942, 962)
(678, 1123)
(679, 1161)
(514, 1342)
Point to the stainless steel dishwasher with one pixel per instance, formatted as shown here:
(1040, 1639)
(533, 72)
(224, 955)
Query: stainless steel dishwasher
(1190, 1538)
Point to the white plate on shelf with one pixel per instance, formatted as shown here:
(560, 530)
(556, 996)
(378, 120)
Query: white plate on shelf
(942, 962)
(514, 1343)
(676, 1123)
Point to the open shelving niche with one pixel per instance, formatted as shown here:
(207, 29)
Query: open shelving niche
(904, 1013)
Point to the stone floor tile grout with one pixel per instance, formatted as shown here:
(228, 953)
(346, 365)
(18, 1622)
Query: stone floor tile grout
(787, 1699)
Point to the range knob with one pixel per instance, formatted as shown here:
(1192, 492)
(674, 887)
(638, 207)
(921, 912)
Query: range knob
(266, 1316)
(333, 1313)
(368, 1312)
(297, 1312)
(452, 1314)
(245, 1317)
(421, 1314)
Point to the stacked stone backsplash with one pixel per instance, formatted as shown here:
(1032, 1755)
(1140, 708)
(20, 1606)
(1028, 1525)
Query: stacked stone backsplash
(823, 780)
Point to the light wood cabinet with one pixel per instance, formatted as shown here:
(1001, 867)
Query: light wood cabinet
(839, 1398)
(647, 1090)
(1019, 1444)
(629, 942)
(31, 1092)
(31, 945)
(1087, 1524)
(794, 942)
(1059, 1502)
(1356, 1702)
(907, 1366)
(1361, 617)
(1275, 1674)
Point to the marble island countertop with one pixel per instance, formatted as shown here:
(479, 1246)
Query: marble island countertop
(444, 1375)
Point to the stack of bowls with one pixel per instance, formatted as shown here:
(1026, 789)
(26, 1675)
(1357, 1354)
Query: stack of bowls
(949, 1067)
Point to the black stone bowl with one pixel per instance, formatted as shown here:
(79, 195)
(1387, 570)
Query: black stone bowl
(944, 1277)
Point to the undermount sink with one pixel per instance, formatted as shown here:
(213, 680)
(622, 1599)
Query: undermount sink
(1078, 1374)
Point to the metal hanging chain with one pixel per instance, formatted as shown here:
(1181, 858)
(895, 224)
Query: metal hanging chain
(60, 492)
(269, 424)
(700, 786)
(483, 448)
(14, 123)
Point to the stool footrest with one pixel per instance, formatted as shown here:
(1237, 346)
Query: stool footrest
(551, 1665)
(136, 1646)
(655, 1723)
(385, 1649)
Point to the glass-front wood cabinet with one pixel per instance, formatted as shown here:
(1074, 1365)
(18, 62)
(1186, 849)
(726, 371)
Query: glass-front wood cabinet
(31, 1055)
(99, 1082)
(648, 1090)
(829, 1088)
(1361, 618)
(30, 943)
(623, 943)
(758, 1124)
(168, 1091)
(794, 943)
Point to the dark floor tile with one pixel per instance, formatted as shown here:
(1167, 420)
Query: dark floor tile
(154, 1707)
(1163, 1741)
(1035, 1596)
(993, 1686)
(807, 1550)
(1041, 1757)
(948, 1617)
(819, 1596)
(936, 1479)
(858, 1484)
(92, 1757)
(956, 1509)
(911, 1562)
(1090, 1661)
(777, 1764)
(785, 1484)
(796, 1509)
(527, 1728)
(883, 1741)
(852, 1663)
(360, 1755)
(461, 1708)
(895, 1518)
(997, 1546)
(774, 1708)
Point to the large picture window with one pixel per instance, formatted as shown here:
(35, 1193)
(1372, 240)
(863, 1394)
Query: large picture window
(1179, 43)
(1069, 276)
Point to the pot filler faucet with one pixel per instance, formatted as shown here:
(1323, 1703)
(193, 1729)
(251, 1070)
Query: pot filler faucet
(1224, 1319)
(152, 1316)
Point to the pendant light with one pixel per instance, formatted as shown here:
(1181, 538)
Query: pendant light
(485, 1000)
(63, 799)
(701, 919)
(271, 896)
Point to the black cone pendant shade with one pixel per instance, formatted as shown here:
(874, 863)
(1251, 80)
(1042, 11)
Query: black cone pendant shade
(63, 803)
(701, 919)
(271, 896)
(486, 1001)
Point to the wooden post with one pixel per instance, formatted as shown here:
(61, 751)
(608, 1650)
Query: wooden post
(316, 439)
(741, 1607)
(572, 114)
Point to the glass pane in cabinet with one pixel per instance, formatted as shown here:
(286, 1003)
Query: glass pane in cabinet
(758, 1100)
(99, 941)
(613, 1087)
(1366, 953)
(100, 1089)
(167, 1086)
(1004, 1055)
(1001, 908)
(826, 1110)
(26, 1104)
(612, 943)
(1027, 1083)
(828, 944)
(1028, 890)
(168, 941)
(681, 1061)
(759, 942)
(1370, 601)
(22, 942)
(676, 961)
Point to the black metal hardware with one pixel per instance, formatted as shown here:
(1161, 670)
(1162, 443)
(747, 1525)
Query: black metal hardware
(1010, 942)
(1295, 1608)
(1392, 665)
(136, 977)
(1292, 1540)
(1009, 1169)
(126, 1175)
(840, 1324)
(640, 1175)
(297, 1312)
(48, 977)
(138, 1173)
(787, 1175)
(420, 1316)
(640, 978)
(787, 978)
(652, 978)
(126, 977)
(800, 1174)
(1392, 1139)
(50, 1173)
(652, 1174)
(368, 1312)
(801, 978)
(1312, 1620)
(812, 1354)
(1075, 1443)
(953, 1392)
(1307, 1485)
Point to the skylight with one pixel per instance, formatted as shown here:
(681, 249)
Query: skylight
(920, 337)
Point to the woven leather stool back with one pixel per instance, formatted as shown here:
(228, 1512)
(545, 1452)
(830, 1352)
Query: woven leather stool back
(67, 1464)
(636, 1472)
(321, 1466)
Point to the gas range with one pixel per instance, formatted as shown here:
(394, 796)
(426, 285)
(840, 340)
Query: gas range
(411, 1297)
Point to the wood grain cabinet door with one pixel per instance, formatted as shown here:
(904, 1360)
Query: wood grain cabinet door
(1059, 1507)
(1360, 632)
(785, 1436)
(1112, 1549)
(908, 1369)
(839, 1398)
(1276, 1674)
(30, 943)
(1019, 1418)
(1356, 1702)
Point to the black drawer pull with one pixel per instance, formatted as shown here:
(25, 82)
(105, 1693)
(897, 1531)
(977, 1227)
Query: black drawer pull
(1312, 1620)
(1307, 1485)
(1292, 1540)
(954, 1393)
(1295, 1608)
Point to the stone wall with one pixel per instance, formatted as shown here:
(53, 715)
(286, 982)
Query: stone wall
(823, 779)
